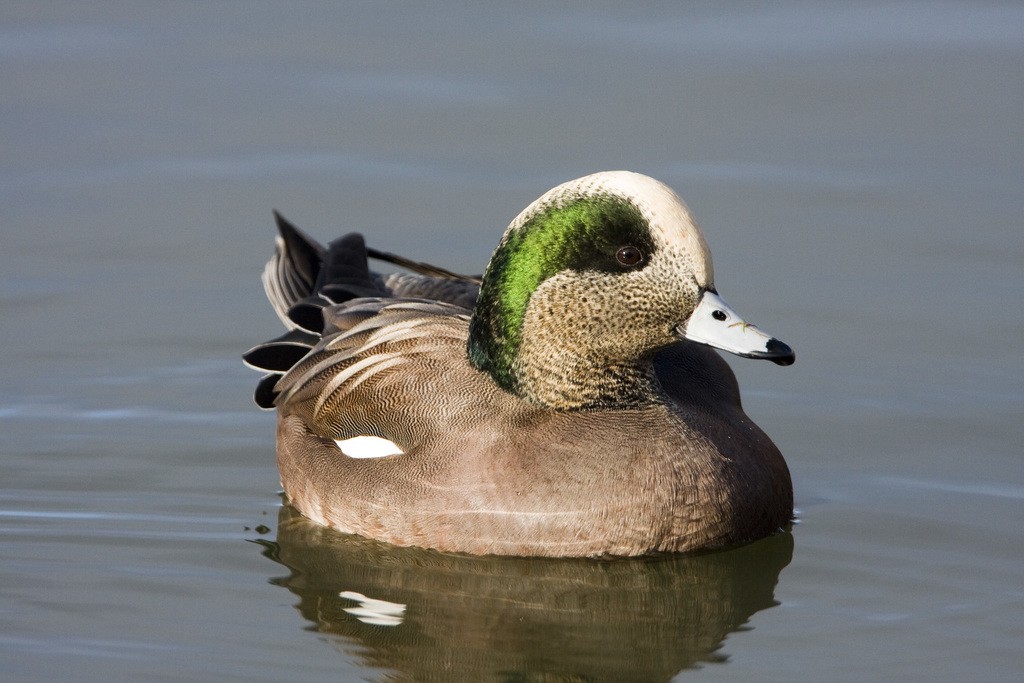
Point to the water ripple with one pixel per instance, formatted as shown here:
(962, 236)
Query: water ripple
(977, 488)
(149, 414)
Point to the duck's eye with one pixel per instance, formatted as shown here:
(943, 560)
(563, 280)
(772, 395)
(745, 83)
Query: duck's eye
(718, 315)
(629, 255)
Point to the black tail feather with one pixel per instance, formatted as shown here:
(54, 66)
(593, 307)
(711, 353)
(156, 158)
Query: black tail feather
(279, 355)
(305, 254)
(265, 394)
(303, 278)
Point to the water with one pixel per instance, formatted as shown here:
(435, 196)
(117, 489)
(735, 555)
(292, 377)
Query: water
(857, 168)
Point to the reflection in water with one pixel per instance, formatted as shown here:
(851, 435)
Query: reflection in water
(425, 615)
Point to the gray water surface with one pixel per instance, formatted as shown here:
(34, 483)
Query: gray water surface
(858, 169)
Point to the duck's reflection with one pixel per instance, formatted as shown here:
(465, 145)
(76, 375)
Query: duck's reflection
(428, 616)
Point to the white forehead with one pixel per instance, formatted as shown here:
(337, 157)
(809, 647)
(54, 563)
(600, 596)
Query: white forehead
(670, 220)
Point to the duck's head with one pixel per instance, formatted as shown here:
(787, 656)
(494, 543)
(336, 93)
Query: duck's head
(589, 281)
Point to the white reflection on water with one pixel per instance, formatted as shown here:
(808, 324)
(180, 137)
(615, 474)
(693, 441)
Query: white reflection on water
(373, 611)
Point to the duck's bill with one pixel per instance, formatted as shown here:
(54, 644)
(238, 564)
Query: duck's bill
(715, 324)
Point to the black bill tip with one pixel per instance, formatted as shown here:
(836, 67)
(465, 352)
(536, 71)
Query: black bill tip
(778, 352)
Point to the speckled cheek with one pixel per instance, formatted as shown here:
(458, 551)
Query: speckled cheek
(615, 316)
(677, 285)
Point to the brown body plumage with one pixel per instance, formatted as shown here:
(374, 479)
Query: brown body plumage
(609, 434)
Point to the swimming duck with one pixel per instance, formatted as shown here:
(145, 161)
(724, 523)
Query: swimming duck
(566, 403)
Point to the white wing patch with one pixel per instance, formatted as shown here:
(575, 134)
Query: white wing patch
(368, 447)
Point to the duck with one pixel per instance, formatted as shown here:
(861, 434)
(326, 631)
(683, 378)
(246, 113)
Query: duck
(569, 402)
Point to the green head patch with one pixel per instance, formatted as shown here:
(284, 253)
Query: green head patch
(581, 235)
